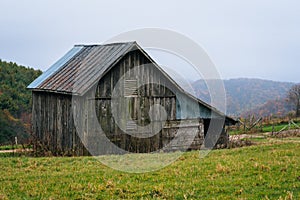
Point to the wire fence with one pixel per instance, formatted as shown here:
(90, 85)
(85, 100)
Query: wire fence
(261, 125)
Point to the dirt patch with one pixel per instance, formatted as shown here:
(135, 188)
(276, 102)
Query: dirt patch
(16, 151)
(253, 139)
(244, 136)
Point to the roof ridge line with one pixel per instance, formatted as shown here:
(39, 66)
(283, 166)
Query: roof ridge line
(105, 44)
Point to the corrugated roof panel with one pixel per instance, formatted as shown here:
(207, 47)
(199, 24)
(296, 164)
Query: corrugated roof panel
(79, 74)
(55, 67)
(96, 68)
(65, 73)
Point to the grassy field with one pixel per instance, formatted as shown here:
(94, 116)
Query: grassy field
(266, 128)
(266, 171)
(10, 147)
(278, 127)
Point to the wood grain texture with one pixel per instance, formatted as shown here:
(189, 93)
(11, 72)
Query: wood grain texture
(54, 120)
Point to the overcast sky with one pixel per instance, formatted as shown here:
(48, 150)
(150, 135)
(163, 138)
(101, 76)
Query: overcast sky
(249, 38)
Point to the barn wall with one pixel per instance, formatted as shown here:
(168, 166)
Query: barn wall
(53, 125)
(56, 115)
(137, 104)
(188, 108)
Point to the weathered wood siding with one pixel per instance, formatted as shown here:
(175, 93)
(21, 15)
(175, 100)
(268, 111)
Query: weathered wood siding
(53, 125)
(138, 103)
(61, 126)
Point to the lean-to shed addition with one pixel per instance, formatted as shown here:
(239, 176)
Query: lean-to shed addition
(114, 98)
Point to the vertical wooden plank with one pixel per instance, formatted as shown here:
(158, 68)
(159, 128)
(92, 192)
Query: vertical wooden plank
(39, 119)
(70, 127)
(158, 82)
(44, 107)
(137, 64)
(141, 80)
(147, 80)
(64, 109)
(51, 121)
(122, 105)
(111, 75)
(43, 137)
(59, 124)
(33, 123)
(126, 66)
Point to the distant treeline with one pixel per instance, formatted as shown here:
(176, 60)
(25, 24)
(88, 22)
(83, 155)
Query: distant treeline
(15, 100)
(246, 96)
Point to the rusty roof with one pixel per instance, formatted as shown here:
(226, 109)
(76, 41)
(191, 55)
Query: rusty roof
(55, 67)
(81, 68)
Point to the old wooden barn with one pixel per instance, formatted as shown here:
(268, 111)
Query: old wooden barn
(114, 98)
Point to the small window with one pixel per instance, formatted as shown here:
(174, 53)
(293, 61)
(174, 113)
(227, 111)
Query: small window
(131, 126)
(130, 88)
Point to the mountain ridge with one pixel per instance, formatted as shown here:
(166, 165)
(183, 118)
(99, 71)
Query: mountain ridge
(244, 94)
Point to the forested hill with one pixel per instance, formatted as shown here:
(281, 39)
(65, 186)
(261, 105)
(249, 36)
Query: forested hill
(245, 94)
(15, 99)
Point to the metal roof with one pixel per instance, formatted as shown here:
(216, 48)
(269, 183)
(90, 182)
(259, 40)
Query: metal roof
(55, 67)
(81, 68)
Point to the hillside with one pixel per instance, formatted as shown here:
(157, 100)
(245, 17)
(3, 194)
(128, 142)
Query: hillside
(278, 107)
(15, 105)
(244, 94)
(266, 171)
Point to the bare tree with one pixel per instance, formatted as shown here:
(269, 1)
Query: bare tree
(294, 97)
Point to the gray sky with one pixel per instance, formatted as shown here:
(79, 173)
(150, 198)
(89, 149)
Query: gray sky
(249, 38)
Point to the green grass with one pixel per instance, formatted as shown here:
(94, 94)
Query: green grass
(278, 127)
(269, 171)
(9, 147)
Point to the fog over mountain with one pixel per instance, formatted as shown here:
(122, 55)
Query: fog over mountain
(244, 95)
